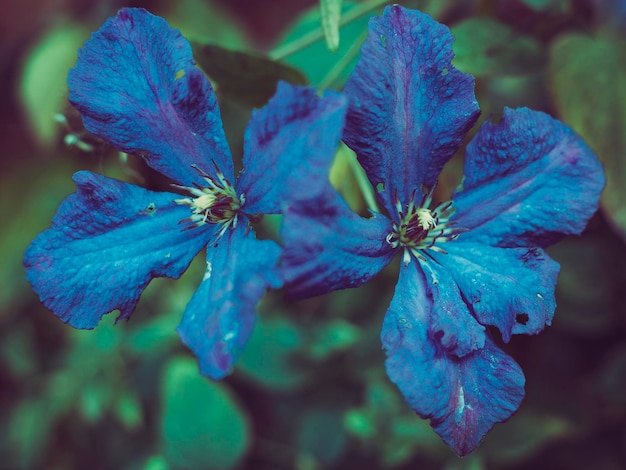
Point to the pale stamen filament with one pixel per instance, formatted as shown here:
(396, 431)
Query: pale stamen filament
(217, 203)
(423, 228)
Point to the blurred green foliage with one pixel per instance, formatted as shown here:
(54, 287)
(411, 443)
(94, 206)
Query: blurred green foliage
(310, 391)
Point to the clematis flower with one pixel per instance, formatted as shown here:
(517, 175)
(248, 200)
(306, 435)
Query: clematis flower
(136, 86)
(466, 264)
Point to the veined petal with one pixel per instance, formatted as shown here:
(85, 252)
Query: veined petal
(510, 288)
(136, 86)
(409, 107)
(289, 147)
(529, 180)
(329, 247)
(221, 314)
(463, 397)
(451, 323)
(107, 241)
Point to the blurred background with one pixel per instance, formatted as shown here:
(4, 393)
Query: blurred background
(310, 391)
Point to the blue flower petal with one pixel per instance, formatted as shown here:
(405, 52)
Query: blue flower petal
(136, 86)
(463, 397)
(451, 322)
(220, 316)
(510, 288)
(107, 241)
(329, 247)
(409, 107)
(529, 180)
(289, 147)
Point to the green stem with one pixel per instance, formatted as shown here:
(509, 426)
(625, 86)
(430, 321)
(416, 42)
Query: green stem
(311, 37)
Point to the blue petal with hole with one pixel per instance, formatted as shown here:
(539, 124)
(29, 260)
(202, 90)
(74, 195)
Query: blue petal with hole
(289, 146)
(329, 247)
(510, 288)
(462, 396)
(409, 107)
(107, 241)
(220, 317)
(529, 180)
(136, 86)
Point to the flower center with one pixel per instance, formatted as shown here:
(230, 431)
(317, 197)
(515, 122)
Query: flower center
(421, 227)
(217, 203)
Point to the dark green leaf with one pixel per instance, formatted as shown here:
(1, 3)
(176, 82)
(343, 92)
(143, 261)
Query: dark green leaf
(243, 76)
(30, 430)
(588, 79)
(331, 337)
(269, 356)
(127, 409)
(486, 47)
(24, 217)
(322, 434)
(202, 425)
(523, 436)
(206, 22)
(590, 273)
(94, 400)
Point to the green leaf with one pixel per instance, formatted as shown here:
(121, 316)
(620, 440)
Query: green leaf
(41, 189)
(157, 334)
(331, 337)
(127, 409)
(43, 86)
(407, 435)
(322, 434)
(202, 425)
(486, 47)
(588, 80)
(331, 14)
(206, 22)
(523, 436)
(316, 60)
(244, 76)
(30, 430)
(590, 274)
(382, 396)
(156, 462)
(95, 399)
(361, 422)
(269, 356)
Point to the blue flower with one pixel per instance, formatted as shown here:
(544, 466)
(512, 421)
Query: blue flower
(469, 263)
(136, 86)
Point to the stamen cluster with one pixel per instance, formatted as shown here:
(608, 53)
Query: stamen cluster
(216, 203)
(422, 227)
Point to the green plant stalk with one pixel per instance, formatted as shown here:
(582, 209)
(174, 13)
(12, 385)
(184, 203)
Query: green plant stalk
(362, 181)
(303, 42)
